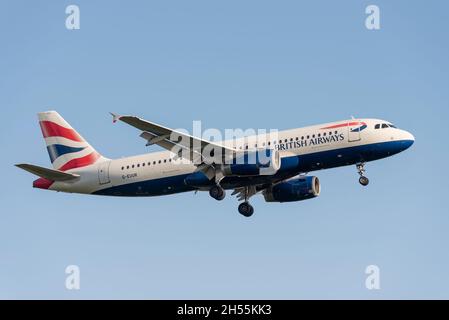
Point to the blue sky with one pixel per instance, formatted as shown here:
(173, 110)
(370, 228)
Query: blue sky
(230, 64)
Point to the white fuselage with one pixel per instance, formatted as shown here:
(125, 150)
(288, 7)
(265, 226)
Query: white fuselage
(335, 143)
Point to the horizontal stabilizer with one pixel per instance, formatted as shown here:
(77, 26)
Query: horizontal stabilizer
(50, 174)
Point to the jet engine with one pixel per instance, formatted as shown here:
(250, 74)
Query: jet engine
(294, 190)
(253, 163)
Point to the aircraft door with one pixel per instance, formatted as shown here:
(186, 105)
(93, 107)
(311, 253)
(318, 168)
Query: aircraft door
(103, 172)
(354, 131)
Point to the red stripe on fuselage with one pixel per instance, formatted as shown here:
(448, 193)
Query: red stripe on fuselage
(51, 129)
(81, 162)
(347, 124)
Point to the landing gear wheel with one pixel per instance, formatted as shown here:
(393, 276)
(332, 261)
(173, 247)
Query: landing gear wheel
(246, 209)
(217, 193)
(364, 181)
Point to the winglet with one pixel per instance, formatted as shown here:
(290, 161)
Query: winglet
(115, 117)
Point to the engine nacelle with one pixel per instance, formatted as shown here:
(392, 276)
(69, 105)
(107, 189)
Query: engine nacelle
(264, 162)
(294, 190)
(197, 179)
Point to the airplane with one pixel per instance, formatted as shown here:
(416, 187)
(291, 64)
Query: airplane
(275, 166)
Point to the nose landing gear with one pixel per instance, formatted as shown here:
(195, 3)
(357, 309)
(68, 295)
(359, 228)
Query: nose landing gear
(364, 181)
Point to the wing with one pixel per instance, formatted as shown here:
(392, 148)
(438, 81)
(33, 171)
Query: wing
(183, 145)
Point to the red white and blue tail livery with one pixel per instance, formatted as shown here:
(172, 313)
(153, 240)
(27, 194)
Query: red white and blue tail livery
(66, 148)
(189, 165)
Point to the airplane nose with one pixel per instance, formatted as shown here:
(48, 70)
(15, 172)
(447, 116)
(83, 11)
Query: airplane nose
(409, 139)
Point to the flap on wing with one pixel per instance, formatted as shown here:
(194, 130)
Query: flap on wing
(152, 138)
(50, 174)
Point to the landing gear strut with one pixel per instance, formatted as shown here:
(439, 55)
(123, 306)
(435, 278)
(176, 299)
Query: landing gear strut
(217, 193)
(364, 181)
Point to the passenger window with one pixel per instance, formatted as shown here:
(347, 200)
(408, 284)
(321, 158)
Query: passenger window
(123, 168)
(127, 167)
(133, 166)
(377, 126)
(160, 161)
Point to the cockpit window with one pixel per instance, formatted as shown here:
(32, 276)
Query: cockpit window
(377, 126)
(384, 125)
(392, 126)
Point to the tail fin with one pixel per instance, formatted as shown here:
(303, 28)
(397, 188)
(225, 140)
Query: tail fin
(66, 148)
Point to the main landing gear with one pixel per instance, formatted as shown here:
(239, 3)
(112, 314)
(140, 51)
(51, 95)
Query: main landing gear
(246, 209)
(364, 181)
(217, 192)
